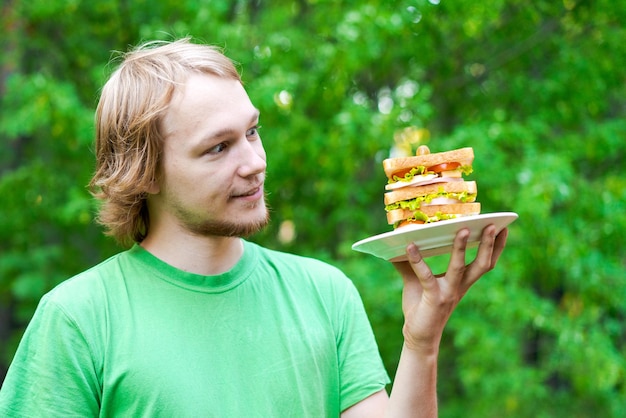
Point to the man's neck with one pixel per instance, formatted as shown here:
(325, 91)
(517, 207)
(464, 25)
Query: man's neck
(200, 255)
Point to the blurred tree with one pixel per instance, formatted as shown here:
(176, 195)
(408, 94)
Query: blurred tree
(536, 88)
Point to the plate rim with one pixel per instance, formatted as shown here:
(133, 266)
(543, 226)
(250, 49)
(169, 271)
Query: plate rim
(511, 216)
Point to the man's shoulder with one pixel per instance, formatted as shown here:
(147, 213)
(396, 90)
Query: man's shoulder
(87, 285)
(296, 261)
(303, 272)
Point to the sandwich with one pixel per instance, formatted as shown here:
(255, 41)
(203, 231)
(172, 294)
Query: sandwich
(429, 187)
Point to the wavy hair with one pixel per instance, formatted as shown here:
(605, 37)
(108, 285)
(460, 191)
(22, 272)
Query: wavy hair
(128, 127)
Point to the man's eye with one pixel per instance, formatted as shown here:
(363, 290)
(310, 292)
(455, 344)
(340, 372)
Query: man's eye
(253, 131)
(218, 148)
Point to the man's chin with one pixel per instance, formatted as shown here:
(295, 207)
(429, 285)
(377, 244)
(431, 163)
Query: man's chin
(243, 228)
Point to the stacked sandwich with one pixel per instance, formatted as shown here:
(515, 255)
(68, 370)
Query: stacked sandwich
(429, 187)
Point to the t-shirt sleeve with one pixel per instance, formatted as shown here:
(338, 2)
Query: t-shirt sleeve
(52, 373)
(362, 372)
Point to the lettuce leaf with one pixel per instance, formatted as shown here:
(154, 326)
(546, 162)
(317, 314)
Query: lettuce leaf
(421, 216)
(466, 169)
(415, 171)
(416, 203)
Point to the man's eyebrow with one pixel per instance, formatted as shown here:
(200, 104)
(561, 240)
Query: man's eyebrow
(229, 131)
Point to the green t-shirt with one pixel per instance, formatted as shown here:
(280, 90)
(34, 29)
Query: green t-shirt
(276, 336)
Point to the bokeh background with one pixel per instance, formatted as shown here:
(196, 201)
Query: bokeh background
(536, 88)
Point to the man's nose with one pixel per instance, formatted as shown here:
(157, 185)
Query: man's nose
(252, 158)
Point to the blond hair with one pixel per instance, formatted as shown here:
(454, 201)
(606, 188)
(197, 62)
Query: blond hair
(128, 135)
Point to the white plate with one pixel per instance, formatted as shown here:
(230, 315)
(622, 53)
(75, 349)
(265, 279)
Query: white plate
(432, 239)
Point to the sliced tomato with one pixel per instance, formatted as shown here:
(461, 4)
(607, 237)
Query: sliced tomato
(444, 167)
(409, 222)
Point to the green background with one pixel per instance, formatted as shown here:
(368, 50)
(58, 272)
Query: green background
(536, 88)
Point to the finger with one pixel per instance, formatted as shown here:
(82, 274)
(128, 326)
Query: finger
(484, 258)
(456, 266)
(485, 250)
(498, 246)
(419, 267)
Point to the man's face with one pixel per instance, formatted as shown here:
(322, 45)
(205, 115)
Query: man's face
(213, 164)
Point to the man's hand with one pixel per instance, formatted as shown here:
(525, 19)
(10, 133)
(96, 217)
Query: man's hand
(429, 300)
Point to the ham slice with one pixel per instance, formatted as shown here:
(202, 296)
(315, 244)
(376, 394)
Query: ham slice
(441, 201)
(421, 180)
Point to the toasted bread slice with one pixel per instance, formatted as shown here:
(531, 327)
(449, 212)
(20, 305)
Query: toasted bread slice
(411, 192)
(464, 156)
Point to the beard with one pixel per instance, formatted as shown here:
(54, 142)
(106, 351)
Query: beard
(242, 228)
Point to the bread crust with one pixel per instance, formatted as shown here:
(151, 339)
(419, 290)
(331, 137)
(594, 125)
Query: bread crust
(465, 156)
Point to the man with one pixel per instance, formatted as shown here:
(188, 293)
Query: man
(194, 320)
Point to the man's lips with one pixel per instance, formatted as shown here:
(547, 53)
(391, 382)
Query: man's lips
(250, 194)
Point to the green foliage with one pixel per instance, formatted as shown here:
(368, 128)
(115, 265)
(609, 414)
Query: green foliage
(537, 89)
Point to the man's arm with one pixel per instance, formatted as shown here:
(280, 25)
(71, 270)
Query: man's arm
(373, 406)
(427, 303)
(52, 373)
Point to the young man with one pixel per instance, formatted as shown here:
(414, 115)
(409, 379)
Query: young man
(194, 320)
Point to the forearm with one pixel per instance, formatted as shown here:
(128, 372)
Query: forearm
(414, 392)
(427, 303)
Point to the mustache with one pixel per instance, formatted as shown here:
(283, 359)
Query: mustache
(255, 182)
